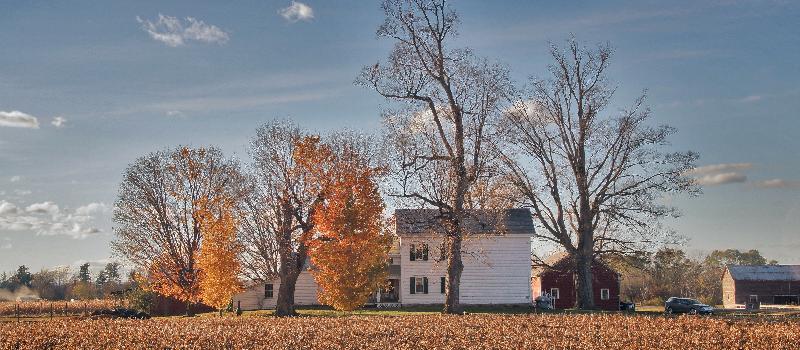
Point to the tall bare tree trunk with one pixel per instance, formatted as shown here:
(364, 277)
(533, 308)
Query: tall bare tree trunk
(285, 303)
(455, 266)
(291, 264)
(584, 281)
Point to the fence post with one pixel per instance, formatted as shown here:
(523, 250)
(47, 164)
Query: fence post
(51, 310)
(16, 310)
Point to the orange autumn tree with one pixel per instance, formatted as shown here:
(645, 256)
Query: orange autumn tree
(156, 223)
(349, 249)
(218, 261)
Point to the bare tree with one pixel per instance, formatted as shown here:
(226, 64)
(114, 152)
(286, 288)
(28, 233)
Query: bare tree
(157, 228)
(280, 212)
(451, 99)
(594, 182)
(260, 256)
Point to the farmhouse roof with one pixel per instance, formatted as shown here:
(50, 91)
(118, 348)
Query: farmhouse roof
(425, 221)
(765, 272)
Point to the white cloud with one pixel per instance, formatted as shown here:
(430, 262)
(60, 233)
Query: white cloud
(297, 11)
(751, 98)
(17, 119)
(92, 208)
(47, 219)
(718, 168)
(15, 178)
(175, 32)
(22, 192)
(59, 122)
(43, 208)
(5, 244)
(777, 183)
(721, 179)
(175, 113)
(7, 208)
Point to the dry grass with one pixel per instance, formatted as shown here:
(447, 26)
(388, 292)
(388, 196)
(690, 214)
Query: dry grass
(58, 308)
(551, 331)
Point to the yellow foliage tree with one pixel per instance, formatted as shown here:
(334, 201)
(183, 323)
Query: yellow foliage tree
(349, 249)
(218, 261)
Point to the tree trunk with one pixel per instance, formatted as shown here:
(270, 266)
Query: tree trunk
(285, 302)
(584, 281)
(455, 266)
(289, 270)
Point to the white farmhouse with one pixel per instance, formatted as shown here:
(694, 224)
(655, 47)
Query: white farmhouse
(496, 256)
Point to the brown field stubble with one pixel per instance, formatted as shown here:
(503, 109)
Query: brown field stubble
(599, 331)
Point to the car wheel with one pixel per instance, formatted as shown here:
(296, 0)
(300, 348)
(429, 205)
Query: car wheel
(693, 312)
(668, 311)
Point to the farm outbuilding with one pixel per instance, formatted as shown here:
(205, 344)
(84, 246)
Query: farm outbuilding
(558, 280)
(760, 284)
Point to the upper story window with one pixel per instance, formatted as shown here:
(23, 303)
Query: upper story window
(418, 252)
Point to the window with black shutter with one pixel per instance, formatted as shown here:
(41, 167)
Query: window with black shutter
(413, 285)
(442, 285)
(412, 252)
(425, 284)
(425, 252)
(268, 289)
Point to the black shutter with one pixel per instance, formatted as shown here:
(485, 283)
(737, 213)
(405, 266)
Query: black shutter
(412, 252)
(413, 286)
(425, 284)
(442, 286)
(425, 252)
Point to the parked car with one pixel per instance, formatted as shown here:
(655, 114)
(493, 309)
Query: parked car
(676, 305)
(627, 306)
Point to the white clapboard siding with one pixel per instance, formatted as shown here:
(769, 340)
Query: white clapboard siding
(253, 298)
(496, 270)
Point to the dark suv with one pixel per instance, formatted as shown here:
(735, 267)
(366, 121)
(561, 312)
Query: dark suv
(686, 305)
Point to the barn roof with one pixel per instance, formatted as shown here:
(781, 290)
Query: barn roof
(765, 272)
(557, 259)
(424, 221)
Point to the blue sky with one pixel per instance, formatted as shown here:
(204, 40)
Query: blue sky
(109, 81)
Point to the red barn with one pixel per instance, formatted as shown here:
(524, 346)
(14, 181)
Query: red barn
(559, 282)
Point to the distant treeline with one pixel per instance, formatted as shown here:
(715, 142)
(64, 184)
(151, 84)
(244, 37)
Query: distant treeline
(652, 278)
(61, 283)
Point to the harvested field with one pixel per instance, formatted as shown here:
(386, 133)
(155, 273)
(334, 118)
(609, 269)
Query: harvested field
(58, 308)
(598, 331)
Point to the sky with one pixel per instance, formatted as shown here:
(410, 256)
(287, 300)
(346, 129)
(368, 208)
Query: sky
(86, 87)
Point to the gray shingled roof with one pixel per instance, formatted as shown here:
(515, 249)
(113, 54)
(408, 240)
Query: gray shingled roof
(765, 272)
(427, 221)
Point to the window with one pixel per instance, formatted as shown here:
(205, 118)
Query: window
(418, 285)
(554, 293)
(418, 252)
(605, 294)
(268, 288)
(443, 285)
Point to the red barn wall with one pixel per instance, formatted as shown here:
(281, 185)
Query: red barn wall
(602, 278)
(766, 290)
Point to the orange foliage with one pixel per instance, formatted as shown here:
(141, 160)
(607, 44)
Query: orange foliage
(218, 262)
(350, 248)
(167, 278)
